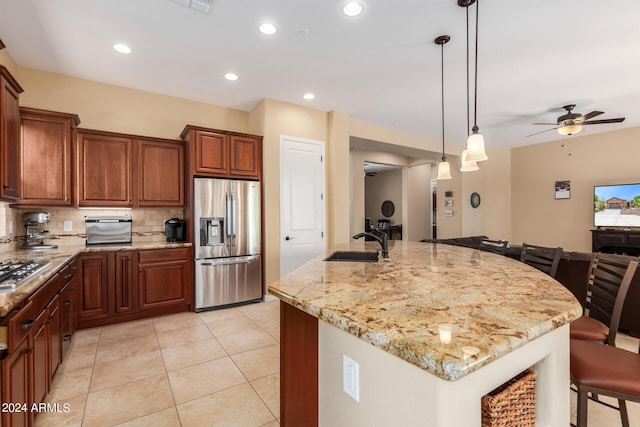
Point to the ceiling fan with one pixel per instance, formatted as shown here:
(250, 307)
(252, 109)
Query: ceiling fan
(571, 123)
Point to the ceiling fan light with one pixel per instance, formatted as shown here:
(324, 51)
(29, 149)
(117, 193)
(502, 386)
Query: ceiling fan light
(570, 129)
(467, 166)
(475, 148)
(444, 171)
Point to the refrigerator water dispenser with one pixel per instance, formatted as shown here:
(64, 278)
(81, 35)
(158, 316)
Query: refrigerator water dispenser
(212, 231)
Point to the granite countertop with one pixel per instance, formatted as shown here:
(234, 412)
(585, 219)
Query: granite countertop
(9, 299)
(493, 303)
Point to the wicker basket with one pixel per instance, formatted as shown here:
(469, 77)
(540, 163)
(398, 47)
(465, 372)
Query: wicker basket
(511, 404)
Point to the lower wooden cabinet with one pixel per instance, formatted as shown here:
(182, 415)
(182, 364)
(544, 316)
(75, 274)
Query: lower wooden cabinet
(34, 354)
(16, 377)
(127, 285)
(163, 278)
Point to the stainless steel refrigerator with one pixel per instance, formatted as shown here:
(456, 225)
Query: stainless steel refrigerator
(228, 262)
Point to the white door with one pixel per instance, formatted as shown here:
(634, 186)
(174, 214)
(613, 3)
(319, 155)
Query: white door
(302, 205)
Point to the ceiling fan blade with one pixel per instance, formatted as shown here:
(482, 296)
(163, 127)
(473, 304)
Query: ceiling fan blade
(546, 124)
(546, 130)
(599, 122)
(592, 115)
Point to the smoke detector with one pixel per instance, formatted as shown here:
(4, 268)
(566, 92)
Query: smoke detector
(199, 5)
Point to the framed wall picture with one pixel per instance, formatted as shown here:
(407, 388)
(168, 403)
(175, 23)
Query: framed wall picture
(563, 189)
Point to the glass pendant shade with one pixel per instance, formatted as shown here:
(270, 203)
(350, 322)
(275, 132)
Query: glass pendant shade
(467, 166)
(569, 129)
(444, 172)
(475, 148)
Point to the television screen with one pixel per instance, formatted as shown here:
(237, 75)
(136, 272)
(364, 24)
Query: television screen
(616, 205)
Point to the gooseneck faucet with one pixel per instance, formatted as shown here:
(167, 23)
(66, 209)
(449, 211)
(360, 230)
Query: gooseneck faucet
(380, 237)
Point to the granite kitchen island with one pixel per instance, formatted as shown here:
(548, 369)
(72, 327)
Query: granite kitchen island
(390, 317)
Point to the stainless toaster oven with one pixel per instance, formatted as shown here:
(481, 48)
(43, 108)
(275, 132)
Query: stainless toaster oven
(103, 230)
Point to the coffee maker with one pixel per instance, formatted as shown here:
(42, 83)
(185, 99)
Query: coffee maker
(37, 225)
(175, 230)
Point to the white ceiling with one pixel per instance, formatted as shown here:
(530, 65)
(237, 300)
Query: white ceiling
(381, 67)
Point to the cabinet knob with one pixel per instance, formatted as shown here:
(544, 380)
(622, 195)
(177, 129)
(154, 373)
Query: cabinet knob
(67, 302)
(28, 350)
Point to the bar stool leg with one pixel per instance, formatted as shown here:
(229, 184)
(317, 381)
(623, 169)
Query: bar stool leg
(581, 416)
(624, 416)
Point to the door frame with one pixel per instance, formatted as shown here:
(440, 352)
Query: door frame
(320, 144)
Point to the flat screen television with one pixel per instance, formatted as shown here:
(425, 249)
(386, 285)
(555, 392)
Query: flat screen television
(616, 205)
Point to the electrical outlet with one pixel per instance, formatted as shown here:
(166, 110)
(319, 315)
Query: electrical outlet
(351, 378)
(68, 225)
(10, 227)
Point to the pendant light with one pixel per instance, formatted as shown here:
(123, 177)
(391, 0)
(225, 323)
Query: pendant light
(444, 171)
(467, 166)
(475, 143)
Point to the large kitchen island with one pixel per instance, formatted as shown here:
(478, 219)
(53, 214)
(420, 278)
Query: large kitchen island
(392, 319)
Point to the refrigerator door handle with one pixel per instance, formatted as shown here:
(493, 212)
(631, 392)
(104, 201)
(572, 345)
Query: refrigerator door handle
(243, 260)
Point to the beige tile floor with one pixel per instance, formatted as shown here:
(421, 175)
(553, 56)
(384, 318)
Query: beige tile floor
(218, 368)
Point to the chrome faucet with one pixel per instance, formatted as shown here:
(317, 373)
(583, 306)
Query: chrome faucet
(380, 237)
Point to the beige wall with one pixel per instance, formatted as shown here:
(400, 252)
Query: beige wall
(537, 217)
(493, 183)
(118, 109)
(383, 186)
(418, 206)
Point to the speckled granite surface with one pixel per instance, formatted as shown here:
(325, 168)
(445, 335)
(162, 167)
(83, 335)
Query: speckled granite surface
(494, 304)
(58, 258)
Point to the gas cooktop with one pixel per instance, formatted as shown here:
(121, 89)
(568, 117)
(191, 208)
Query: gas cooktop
(13, 273)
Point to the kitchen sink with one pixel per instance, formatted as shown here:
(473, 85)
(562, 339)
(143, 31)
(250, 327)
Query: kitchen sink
(353, 256)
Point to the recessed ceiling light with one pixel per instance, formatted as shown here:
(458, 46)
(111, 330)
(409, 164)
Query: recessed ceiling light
(122, 48)
(267, 29)
(353, 8)
(309, 96)
(231, 76)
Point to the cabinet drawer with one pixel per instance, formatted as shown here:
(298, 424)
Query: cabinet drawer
(634, 239)
(21, 324)
(47, 291)
(619, 239)
(69, 270)
(161, 255)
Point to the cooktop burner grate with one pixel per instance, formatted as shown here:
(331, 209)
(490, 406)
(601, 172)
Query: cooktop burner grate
(13, 272)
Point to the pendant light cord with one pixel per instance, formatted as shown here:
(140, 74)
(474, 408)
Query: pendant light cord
(475, 85)
(467, 8)
(442, 86)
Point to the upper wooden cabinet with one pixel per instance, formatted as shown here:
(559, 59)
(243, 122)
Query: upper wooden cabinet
(104, 169)
(221, 153)
(126, 170)
(9, 136)
(160, 173)
(46, 154)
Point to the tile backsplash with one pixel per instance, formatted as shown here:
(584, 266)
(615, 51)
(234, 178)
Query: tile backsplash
(147, 224)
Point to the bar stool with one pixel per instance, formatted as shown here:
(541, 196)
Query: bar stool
(609, 280)
(543, 258)
(604, 370)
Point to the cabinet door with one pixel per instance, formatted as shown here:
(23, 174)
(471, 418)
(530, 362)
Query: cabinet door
(94, 300)
(160, 173)
(40, 379)
(211, 153)
(163, 284)
(246, 159)
(16, 368)
(9, 137)
(125, 282)
(105, 169)
(54, 336)
(46, 139)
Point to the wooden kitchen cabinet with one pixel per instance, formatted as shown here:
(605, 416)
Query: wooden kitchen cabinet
(125, 282)
(104, 169)
(46, 157)
(163, 278)
(10, 91)
(160, 170)
(223, 154)
(118, 170)
(94, 297)
(16, 375)
(34, 353)
(128, 285)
